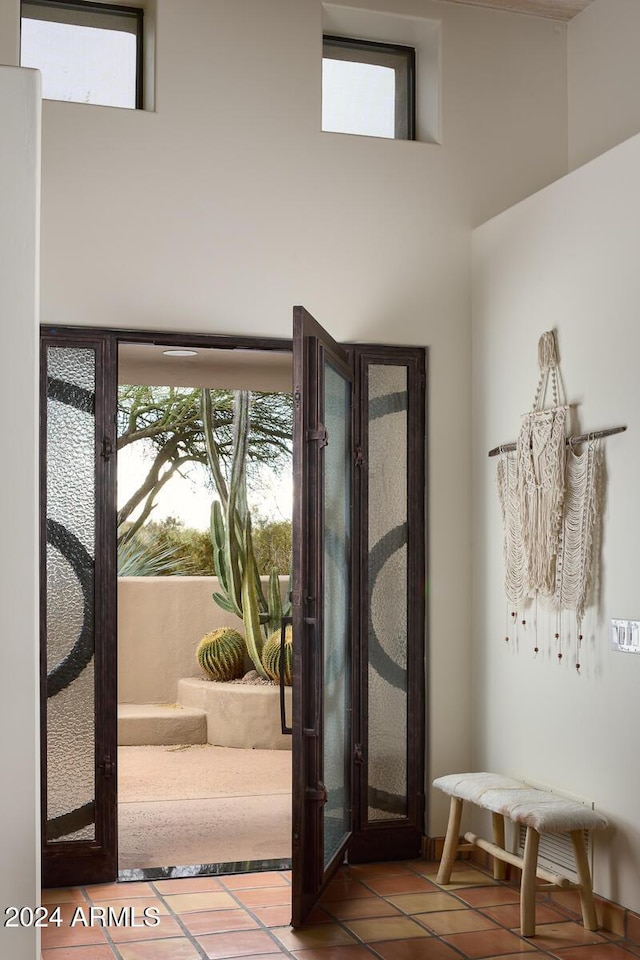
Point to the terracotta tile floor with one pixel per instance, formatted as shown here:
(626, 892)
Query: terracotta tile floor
(380, 911)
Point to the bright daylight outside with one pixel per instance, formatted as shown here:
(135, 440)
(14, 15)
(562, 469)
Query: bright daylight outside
(204, 555)
(83, 64)
(358, 98)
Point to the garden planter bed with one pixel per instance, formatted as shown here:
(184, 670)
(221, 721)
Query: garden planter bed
(242, 715)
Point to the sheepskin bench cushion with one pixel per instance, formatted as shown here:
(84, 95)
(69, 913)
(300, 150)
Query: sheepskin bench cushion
(544, 811)
(540, 811)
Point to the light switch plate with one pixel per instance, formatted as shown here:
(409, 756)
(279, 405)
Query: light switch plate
(625, 635)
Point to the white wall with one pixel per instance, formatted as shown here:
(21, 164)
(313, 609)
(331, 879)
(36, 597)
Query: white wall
(19, 688)
(604, 77)
(564, 259)
(227, 206)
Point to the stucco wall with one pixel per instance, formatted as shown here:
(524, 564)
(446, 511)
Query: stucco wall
(160, 623)
(564, 259)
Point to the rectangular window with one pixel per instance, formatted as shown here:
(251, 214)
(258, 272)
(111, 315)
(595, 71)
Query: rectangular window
(368, 88)
(86, 52)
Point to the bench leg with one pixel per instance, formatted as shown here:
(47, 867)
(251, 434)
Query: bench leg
(589, 918)
(450, 841)
(499, 866)
(528, 884)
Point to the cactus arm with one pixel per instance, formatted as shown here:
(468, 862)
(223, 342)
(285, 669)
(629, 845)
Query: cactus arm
(250, 613)
(218, 540)
(226, 563)
(235, 563)
(237, 482)
(286, 606)
(275, 602)
(213, 454)
(224, 603)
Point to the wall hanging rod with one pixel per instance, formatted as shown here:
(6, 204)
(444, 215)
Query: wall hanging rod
(571, 441)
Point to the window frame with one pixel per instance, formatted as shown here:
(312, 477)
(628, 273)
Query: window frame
(404, 120)
(88, 6)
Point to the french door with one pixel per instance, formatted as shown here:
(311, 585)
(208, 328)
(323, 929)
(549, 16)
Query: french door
(322, 601)
(358, 602)
(358, 606)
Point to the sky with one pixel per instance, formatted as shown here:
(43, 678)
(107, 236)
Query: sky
(188, 499)
(104, 62)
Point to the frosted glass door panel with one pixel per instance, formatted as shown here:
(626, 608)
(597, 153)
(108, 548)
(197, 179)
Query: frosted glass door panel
(388, 596)
(70, 593)
(336, 609)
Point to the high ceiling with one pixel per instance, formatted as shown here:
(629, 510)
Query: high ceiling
(553, 9)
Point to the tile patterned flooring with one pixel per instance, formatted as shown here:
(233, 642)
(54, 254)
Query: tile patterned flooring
(380, 911)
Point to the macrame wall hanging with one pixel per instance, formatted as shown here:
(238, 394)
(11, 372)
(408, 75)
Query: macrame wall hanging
(551, 497)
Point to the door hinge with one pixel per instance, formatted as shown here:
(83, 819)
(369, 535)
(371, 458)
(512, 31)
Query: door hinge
(320, 435)
(108, 767)
(357, 753)
(359, 457)
(107, 448)
(318, 795)
(297, 396)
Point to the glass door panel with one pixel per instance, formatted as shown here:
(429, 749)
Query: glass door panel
(387, 592)
(391, 433)
(336, 612)
(78, 725)
(70, 594)
(322, 611)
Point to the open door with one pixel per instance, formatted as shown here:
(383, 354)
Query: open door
(322, 600)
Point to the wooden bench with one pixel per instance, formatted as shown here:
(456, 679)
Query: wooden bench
(540, 811)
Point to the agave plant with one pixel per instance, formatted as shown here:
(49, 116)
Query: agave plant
(241, 589)
(136, 559)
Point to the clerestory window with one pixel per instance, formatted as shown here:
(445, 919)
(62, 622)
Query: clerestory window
(368, 88)
(86, 52)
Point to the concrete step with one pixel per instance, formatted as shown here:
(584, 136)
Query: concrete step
(143, 724)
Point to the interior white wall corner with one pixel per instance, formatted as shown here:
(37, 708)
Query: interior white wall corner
(19, 685)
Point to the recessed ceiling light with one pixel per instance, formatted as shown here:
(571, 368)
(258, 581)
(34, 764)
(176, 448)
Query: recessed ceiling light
(180, 353)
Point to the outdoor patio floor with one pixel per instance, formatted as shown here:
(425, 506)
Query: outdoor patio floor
(179, 806)
(387, 911)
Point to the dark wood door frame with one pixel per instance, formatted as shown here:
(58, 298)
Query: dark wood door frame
(67, 863)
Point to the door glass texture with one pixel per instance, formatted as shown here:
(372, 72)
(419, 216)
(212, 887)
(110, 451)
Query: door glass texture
(70, 590)
(336, 609)
(388, 599)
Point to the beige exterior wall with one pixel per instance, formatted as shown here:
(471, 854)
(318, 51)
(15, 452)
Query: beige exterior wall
(160, 623)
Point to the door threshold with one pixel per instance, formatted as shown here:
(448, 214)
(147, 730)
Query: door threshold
(201, 870)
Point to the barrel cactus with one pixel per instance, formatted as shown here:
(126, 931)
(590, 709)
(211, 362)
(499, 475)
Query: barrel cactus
(221, 654)
(271, 656)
